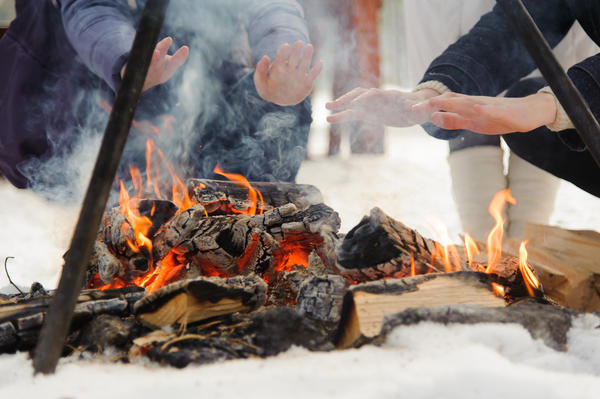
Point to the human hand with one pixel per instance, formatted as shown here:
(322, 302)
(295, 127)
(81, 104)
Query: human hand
(288, 80)
(490, 115)
(387, 107)
(163, 66)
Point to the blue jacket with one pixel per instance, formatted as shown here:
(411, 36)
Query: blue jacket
(57, 52)
(490, 58)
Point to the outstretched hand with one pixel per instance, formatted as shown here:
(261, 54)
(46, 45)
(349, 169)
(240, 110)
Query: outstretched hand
(387, 107)
(490, 115)
(163, 66)
(288, 80)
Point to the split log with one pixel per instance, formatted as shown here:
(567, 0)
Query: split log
(365, 305)
(275, 194)
(202, 298)
(566, 262)
(380, 247)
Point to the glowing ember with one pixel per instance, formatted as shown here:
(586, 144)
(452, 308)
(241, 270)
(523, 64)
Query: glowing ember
(412, 265)
(529, 277)
(494, 240)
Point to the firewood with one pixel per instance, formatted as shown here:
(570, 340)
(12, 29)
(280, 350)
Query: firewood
(365, 305)
(380, 247)
(566, 262)
(274, 194)
(189, 301)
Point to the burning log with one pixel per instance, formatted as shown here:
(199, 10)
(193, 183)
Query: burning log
(223, 245)
(380, 247)
(218, 193)
(189, 301)
(366, 305)
(566, 262)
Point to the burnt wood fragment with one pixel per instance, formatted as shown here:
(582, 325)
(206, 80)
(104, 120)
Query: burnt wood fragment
(8, 337)
(107, 331)
(321, 298)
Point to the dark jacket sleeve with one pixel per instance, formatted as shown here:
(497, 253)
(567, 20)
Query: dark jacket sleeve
(271, 23)
(490, 58)
(101, 32)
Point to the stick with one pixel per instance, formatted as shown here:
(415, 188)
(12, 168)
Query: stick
(562, 86)
(8, 275)
(60, 313)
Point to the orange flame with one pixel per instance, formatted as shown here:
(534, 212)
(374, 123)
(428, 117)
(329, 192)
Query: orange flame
(498, 289)
(494, 240)
(448, 254)
(471, 248)
(529, 277)
(412, 265)
(140, 224)
(255, 196)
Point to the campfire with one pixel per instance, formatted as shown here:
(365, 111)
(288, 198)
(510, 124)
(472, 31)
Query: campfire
(223, 269)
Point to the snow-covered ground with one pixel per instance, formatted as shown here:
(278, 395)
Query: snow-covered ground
(411, 183)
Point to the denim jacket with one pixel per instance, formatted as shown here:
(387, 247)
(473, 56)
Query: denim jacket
(491, 59)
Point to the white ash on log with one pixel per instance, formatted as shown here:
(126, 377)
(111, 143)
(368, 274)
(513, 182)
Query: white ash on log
(190, 301)
(321, 297)
(206, 191)
(105, 264)
(380, 247)
(365, 305)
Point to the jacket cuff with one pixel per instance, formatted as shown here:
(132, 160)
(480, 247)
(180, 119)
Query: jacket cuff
(562, 121)
(434, 85)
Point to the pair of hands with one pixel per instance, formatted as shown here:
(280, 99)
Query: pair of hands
(286, 81)
(451, 111)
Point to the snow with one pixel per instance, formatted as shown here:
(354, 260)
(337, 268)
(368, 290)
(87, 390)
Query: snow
(411, 183)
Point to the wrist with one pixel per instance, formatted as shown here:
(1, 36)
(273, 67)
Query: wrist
(545, 107)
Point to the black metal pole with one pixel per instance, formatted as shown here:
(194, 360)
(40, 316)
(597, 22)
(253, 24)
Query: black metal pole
(60, 314)
(567, 94)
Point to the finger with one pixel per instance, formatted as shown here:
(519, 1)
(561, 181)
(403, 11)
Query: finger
(345, 100)
(450, 121)
(344, 116)
(282, 56)
(262, 70)
(313, 74)
(306, 59)
(424, 107)
(163, 46)
(296, 55)
(175, 62)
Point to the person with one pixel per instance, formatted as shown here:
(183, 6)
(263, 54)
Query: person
(234, 93)
(477, 162)
(459, 91)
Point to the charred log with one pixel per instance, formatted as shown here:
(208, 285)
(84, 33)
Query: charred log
(380, 247)
(217, 192)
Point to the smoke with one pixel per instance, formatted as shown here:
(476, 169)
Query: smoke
(218, 118)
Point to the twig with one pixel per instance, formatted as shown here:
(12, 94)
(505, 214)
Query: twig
(8, 275)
